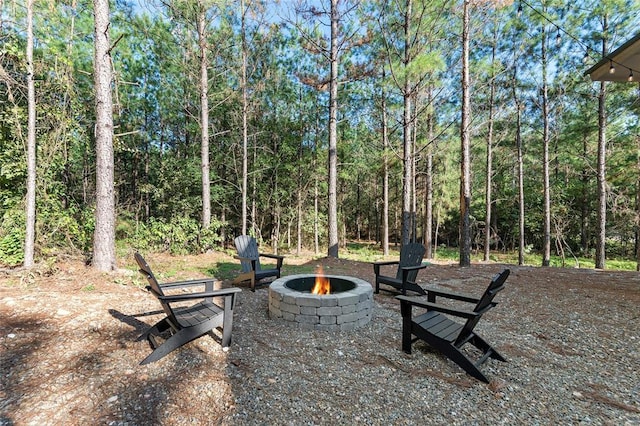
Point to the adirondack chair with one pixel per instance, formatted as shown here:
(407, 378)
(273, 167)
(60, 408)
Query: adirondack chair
(408, 266)
(187, 323)
(249, 257)
(446, 335)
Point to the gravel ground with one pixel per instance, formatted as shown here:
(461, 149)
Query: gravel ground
(69, 356)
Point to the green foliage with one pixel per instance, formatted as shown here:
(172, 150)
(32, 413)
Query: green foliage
(157, 150)
(12, 235)
(181, 235)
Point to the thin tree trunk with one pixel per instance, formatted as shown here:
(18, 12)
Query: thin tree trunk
(245, 142)
(254, 195)
(601, 166)
(428, 208)
(520, 190)
(546, 255)
(30, 234)
(414, 168)
(638, 200)
(204, 118)
(316, 192)
(520, 171)
(104, 248)
(465, 163)
(333, 136)
(406, 125)
(489, 170)
(299, 200)
(584, 211)
(385, 175)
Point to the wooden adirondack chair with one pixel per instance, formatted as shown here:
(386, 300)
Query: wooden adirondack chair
(446, 335)
(249, 257)
(187, 323)
(408, 266)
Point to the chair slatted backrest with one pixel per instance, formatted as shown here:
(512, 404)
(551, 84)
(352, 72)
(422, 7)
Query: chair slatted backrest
(410, 255)
(485, 302)
(153, 286)
(247, 247)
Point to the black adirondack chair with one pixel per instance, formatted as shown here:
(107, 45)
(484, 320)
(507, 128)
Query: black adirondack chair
(249, 257)
(187, 323)
(408, 266)
(446, 335)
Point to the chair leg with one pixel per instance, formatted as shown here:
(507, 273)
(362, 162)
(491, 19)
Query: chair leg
(155, 330)
(455, 355)
(487, 350)
(181, 338)
(405, 309)
(227, 322)
(413, 287)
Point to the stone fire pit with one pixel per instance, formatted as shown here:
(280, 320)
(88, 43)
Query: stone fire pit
(348, 306)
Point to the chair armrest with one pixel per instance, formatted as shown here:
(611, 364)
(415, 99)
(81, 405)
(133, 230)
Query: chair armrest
(187, 283)
(386, 262)
(377, 265)
(202, 295)
(419, 302)
(413, 268)
(272, 256)
(433, 292)
(279, 258)
(246, 259)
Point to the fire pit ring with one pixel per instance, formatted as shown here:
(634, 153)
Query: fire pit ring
(347, 307)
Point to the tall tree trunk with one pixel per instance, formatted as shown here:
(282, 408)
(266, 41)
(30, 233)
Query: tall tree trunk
(333, 135)
(584, 210)
(414, 169)
(385, 172)
(601, 166)
(520, 171)
(638, 199)
(104, 247)
(465, 162)
(489, 170)
(546, 237)
(428, 208)
(204, 117)
(316, 191)
(243, 83)
(30, 234)
(299, 194)
(406, 125)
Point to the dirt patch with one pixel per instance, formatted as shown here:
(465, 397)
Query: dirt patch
(70, 355)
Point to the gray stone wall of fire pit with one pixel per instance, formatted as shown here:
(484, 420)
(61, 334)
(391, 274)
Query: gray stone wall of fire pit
(342, 311)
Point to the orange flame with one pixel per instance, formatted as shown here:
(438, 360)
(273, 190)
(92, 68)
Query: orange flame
(322, 285)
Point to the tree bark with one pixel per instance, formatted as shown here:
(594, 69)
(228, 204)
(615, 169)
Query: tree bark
(546, 237)
(489, 167)
(104, 250)
(638, 199)
(30, 234)
(407, 158)
(520, 171)
(465, 163)
(601, 212)
(333, 136)
(385, 173)
(245, 138)
(204, 117)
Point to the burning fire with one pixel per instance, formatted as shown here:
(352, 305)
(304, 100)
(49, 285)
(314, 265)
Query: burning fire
(322, 285)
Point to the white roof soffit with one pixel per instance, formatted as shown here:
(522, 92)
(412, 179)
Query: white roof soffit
(625, 61)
